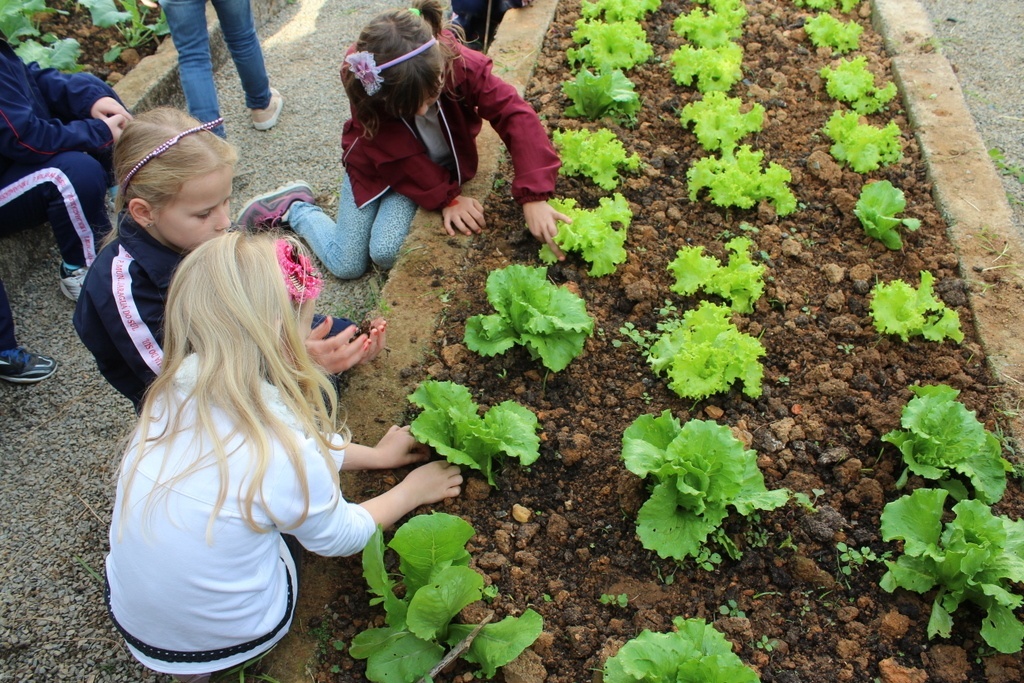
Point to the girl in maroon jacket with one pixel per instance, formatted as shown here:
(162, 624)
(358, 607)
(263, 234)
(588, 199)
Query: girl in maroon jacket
(418, 99)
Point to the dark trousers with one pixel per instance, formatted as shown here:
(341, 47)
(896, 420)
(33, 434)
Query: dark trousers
(69, 191)
(7, 339)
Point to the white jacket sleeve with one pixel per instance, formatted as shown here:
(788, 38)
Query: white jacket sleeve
(333, 526)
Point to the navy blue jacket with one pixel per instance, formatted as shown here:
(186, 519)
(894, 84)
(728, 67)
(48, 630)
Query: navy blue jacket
(120, 313)
(44, 112)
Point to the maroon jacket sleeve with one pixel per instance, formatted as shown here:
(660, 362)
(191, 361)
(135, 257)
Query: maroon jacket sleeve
(533, 156)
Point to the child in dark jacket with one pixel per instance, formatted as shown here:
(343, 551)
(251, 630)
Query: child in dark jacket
(418, 98)
(174, 195)
(56, 135)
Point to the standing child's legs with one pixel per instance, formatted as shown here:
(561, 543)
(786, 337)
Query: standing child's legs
(69, 192)
(187, 21)
(239, 28)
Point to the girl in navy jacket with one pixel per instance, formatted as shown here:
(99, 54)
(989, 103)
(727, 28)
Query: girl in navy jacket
(174, 195)
(56, 135)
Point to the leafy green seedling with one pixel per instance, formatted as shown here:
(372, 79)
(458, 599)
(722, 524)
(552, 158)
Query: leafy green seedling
(713, 28)
(976, 557)
(598, 155)
(741, 181)
(619, 10)
(877, 207)
(700, 470)
(550, 321)
(711, 68)
(609, 46)
(695, 651)
(718, 122)
(739, 281)
(438, 583)
(852, 83)
(897, 308)
(592, 233)
(621, 599)
(452, 425)
(606, 94)
(824, 30)
(942, 440)
(860, 145)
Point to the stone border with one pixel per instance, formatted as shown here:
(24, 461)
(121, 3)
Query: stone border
(154, 81)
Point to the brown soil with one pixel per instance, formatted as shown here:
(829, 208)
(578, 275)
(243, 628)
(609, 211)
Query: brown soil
(73, 21)
(832, 387)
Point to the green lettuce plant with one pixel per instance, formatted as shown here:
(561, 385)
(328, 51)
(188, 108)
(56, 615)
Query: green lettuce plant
(825, 30)
(739, 281)
(606, 94)
(713, 68)
(609, 46)
(941, 439)
(711, 29)
(619, 10)
(695, 651)
(852, 83)
(897, 308)
(864, 147)
(450, 423)
(591, 233)
(19, 26)
(718, 123)
(700, 470)
(844, 6)
(877, 207)
(132, 22)
(976, 557)
(704, 353)
(598, 155)
(437, 584)
(550, 321)
(741, 181)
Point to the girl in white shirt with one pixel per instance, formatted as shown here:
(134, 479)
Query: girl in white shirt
(237, 444)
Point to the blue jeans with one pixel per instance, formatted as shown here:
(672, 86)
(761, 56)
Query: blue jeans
(187, 21)
(374, 232)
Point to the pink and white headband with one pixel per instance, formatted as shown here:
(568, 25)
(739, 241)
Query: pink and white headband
(364, 66)
(210, 125)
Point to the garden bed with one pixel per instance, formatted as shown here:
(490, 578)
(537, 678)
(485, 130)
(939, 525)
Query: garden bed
(833, 386)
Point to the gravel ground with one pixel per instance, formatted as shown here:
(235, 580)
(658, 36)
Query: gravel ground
(59, 441)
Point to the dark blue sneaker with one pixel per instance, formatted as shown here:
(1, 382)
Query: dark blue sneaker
(24, 367)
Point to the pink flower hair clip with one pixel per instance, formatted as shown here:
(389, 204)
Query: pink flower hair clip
(300, 277)
(364, 67)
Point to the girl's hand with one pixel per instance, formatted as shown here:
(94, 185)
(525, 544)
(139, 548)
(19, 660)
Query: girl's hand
(464, 214)
(341, 352)
(433, 482)
(398, 448)
(378, 339)
(542, 221)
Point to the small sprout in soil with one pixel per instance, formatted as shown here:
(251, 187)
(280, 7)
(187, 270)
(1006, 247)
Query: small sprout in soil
(546, 598)
(730, 609)
(707, 560)
(490, 592)
(783, 380)
(767, 644)
(845, 348)
(1004, 166)
(621, 599)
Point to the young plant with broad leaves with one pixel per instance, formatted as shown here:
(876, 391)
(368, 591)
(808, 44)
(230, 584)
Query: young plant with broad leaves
(708, 68)
(132, 21)
(437, 584)
(695, 651)
(450, 423)
(704, 353)
(860, 145)
(608, 94)
(851, 82)
(943, 441)
(739, 281)
(550, 321)
(975, 557)
(897, 308)
(876, 209)
(592, 233)
(700, 470)
(598, 155)
(711, 29)
(607, 46)
(19, 24)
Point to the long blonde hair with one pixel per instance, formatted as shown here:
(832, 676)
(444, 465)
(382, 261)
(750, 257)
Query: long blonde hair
(229, 307)
(160, 179)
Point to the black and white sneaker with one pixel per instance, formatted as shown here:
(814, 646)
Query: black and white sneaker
(24, 367)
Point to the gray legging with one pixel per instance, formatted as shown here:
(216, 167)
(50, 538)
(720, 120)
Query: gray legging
(346, 247)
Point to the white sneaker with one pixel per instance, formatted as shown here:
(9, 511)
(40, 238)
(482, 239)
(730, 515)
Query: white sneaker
(265, 119)
(71, 281)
